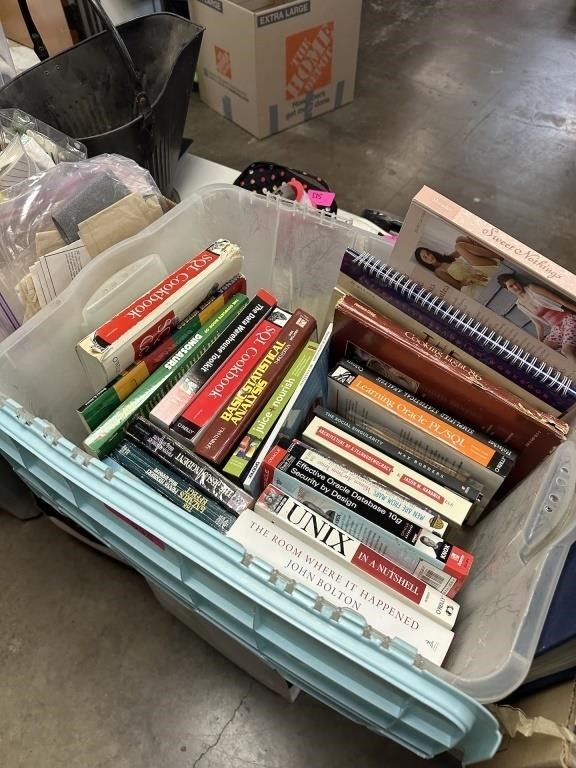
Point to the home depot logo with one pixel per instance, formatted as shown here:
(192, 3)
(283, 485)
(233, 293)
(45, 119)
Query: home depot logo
(223, 64)
(309, 60)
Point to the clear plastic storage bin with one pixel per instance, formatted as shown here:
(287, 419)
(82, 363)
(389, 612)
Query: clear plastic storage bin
(380, 682)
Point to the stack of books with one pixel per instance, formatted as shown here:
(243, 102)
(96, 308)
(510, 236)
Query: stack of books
(445, 382)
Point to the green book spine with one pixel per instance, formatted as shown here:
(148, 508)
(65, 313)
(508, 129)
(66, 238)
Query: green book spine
(248, 447)
(104, 402)
(151, 391)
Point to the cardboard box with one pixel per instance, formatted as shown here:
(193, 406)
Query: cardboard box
(538, 730)
(270, 65)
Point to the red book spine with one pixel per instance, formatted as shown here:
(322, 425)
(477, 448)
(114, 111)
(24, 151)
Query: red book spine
(220, 437)
(270, 463)
(388, 573)
(113, 329)
(217, 392)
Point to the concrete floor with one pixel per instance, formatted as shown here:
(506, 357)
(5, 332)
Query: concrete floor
(475, 99)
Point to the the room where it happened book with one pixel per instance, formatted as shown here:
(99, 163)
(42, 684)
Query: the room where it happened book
(498, 280)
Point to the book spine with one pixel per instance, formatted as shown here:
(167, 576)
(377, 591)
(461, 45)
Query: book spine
(371, 500)
(359, 399)
(429, 471)
(300, 562)
(185, 390)
(343, 447)
(337, 543)
(387, 534)
(414, 321)
(101, 405)
(182, 461)
(104, 361)
(380, 526)
(228, 379)
(249, 444)
(465, 430)
(109, 433)
(162, 298)
(172, 486)
(521, 366)
(221, 435)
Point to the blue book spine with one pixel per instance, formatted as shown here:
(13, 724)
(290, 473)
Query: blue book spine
(481, 342)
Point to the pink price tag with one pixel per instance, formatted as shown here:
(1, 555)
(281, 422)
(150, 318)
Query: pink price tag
(321, 198)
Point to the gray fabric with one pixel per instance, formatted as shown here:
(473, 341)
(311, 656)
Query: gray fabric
(99, 194)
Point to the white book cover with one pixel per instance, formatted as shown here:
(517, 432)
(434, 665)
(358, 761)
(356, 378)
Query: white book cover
(339, 585)
(347, 448)
(386, 575)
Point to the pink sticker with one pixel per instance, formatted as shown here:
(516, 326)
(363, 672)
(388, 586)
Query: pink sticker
(321, 198)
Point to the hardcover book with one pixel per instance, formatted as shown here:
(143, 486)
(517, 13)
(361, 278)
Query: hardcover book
(481, 270)
(298, 519)
(307, 565)
(458, 333)
(446, 383)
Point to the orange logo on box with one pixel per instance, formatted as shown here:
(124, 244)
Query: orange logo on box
(223, 63)
(309, 60)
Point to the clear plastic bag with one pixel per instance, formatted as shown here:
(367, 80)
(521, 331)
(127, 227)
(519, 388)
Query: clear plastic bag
(42, 214)
(57, 145)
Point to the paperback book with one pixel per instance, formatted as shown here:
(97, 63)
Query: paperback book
(240, 461)
(305, 564)
(217, 441)
(448, 384)
(138, 328)
(110, 432)
(373, 439)
(341, 496)
(365, 398)
(298, 519)
(172, 486)
(101, 405)
(185, 463)
(486, 273)
(175, 402)
(344, 447)
(236, 370)
(359, 491)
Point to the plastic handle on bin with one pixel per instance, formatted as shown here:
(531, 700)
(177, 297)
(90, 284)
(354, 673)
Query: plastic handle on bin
(121, 288)
(554, 505)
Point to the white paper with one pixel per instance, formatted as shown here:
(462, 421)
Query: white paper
(62, 265)
(34, 270)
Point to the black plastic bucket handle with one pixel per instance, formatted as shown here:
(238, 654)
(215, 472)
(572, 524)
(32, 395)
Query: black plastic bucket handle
(141, 102)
